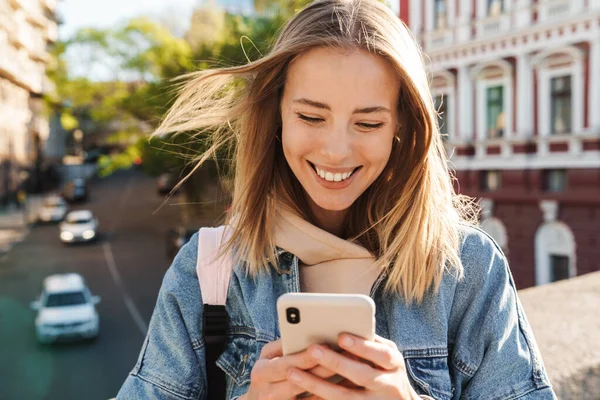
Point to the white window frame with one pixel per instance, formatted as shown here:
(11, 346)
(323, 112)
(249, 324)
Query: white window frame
(394, 6)
(451, 12)
(553, 238)
(482, 85)
(545, 75)
(449, 93)
(482, 8)
(545, 106)
(448, 98)
(415, 17)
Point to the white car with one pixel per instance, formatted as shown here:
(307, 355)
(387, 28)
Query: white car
(66, 309)
(53, 209)
(79, 226)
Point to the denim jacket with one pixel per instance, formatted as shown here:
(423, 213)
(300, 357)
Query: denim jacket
(470, 340)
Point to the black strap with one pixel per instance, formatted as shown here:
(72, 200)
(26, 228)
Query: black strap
(214, 328)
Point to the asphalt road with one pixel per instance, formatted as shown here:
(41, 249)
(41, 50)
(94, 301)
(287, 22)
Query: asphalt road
(125, 267)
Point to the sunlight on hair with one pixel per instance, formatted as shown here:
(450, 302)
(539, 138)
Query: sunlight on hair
(408, 218)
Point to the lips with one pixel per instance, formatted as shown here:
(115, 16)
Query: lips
(333, 184)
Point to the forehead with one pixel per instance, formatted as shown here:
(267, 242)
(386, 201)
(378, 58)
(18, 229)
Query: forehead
(341, 76)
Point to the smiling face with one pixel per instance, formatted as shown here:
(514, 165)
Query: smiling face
(339, 116)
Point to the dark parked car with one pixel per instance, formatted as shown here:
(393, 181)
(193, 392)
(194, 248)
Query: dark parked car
(76, 190)
(176, 238)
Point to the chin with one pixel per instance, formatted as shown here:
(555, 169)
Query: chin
(329, 205)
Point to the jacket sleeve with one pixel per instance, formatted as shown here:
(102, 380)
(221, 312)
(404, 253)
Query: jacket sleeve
(171, 364)
(495, 355)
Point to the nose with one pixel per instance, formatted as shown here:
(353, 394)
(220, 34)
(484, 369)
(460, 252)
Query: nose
(336, 145)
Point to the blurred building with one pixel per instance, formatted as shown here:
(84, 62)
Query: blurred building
(517, 83)
(26, 28)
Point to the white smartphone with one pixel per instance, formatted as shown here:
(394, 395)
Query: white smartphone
(316, 318)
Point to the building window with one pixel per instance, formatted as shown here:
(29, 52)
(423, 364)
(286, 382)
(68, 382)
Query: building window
(441, 106)
(559, 267)
(440, 20)
(560, 104)
(555, 180)
(489, 181)
(495, 7)
(495, 111)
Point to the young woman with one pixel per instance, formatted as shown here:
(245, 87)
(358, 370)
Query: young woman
(341, 185)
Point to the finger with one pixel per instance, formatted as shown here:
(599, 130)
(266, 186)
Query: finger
(318, 387)
(385, 341)
(321, 372)
(357, 371)
(274, 370)
(378, 352)
(272, 350)
(285, 390)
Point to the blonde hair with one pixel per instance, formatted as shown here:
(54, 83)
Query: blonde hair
(411, 223)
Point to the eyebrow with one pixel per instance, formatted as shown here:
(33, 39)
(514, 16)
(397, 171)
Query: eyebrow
(318, 104)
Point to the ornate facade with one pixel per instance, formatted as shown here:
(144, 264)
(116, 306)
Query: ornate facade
(517, 84)
(26, 28)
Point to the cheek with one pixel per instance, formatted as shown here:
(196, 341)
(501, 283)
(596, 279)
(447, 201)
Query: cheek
(377, 150)
(294, 141)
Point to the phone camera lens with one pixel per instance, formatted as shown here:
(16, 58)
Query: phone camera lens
(293, 315)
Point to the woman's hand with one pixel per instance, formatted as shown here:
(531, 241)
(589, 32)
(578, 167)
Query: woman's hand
(268, 378)
(378, 373)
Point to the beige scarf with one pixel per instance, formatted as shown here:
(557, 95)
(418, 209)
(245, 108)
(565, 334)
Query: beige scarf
(329, 264)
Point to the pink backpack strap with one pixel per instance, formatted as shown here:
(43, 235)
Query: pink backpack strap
(213, 272)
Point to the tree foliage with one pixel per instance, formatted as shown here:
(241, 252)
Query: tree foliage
(128, 85)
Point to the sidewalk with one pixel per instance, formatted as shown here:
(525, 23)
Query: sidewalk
(15, 223)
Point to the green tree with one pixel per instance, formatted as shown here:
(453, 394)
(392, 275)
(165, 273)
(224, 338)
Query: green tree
(130, 86)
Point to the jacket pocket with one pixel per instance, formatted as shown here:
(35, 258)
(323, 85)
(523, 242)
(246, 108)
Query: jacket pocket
(428, 372)
(237, 359)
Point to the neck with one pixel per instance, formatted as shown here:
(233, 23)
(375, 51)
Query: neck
(329, 220)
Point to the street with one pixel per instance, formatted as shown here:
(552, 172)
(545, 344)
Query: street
(124, 267)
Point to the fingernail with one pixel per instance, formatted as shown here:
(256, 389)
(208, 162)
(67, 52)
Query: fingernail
(294, 376)
(347, 341)
(316, 353)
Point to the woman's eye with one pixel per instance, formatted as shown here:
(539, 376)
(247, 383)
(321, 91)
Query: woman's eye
(312, 120)
(365, 125)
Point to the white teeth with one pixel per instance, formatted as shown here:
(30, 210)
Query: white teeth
(333, 177)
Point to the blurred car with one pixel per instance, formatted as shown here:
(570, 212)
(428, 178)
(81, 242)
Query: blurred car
(165, 183)
(53, 209)
(65, 309)
(76, 190)
(176, 238)
(79, 226)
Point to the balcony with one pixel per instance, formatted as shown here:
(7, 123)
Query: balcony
(559, 151)
(47, 85)
(50, 5)
(439, 38)
(32, 39)
(17, 65)
(7, 20)
(552, 10)
(493, 25)
(51, 31)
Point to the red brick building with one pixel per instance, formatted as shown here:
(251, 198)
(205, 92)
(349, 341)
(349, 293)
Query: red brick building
(517, 83)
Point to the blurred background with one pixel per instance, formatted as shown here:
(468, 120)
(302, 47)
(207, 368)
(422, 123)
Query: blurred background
(90, 217)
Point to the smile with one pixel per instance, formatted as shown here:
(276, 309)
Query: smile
(333, 176)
